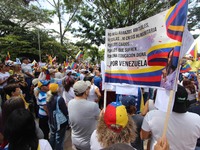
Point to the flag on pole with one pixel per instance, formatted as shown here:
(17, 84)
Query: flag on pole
(185, 68)
(176, 19)
(79, 55)
(194, 51)
(73, 65)
(140, 101)
(50, 59)
(8, 56)
(54, 59)
(34, 62)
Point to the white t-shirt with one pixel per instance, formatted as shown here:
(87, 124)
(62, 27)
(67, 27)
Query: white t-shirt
(44, 145)
(26, 68)
(151, 105)
(183, 129)
(68, 95)
(59, 75)
(191, 96)
(4, 76)
(94, 143)
(82, 76)
(92, 95)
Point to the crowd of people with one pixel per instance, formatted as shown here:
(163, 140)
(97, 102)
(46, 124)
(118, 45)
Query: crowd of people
(39, 103)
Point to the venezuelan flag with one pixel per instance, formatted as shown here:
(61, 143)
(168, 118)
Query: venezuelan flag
(150, 76)
(158, 55)
(73, 65)
(185, 68)
(176, 19)
(8, 56)
(194, 51)
(139, 101)
(79, 55)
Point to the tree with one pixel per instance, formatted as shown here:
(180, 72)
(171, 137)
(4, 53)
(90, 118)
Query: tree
(95, 17)
(18, 21)
(194, 18)
(65, 9)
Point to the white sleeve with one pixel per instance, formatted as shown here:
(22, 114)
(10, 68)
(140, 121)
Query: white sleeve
(44, 145)
(94, 143)
(145, 123)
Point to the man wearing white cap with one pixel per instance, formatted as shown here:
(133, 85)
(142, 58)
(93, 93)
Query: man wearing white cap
(83, 115)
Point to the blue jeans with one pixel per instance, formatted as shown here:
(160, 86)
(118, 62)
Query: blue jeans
(57, 137)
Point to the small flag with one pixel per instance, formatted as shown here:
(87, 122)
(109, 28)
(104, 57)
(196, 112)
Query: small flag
(50, 59)
(140, 101)
(54, 59)
(185, 68)
(194, 51)
(73, 65)
(79, 55)
(34, 62)
(8, 56)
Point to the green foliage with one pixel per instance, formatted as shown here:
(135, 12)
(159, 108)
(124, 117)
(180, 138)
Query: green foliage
(95, 17)
(194, 18)
(63, 8)
(19, 33)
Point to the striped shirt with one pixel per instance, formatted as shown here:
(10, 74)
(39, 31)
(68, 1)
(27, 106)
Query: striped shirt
(41, 101)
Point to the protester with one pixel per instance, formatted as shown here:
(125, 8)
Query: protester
(97, 79)
(94, 94)
(4, 75)
(68, 92)
(162, 144)
(13, 90)
(43, 73)
(8, 107)
(28, 74)
(17, 72)
(149, 105)
(191, 90)
(182, 125)
(129, 103)
(59, 74)
(55, 105)
(36, 91)
(114, 126)
(20, 132)
(195, 108)
(83, 115)
(43, 111)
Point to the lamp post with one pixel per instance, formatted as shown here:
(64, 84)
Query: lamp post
(39, 46)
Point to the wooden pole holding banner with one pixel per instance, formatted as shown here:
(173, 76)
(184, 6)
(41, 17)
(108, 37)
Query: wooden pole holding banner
(105, 95)
(169, 107)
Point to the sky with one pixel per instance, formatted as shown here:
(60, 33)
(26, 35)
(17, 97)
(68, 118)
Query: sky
(55, 25)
